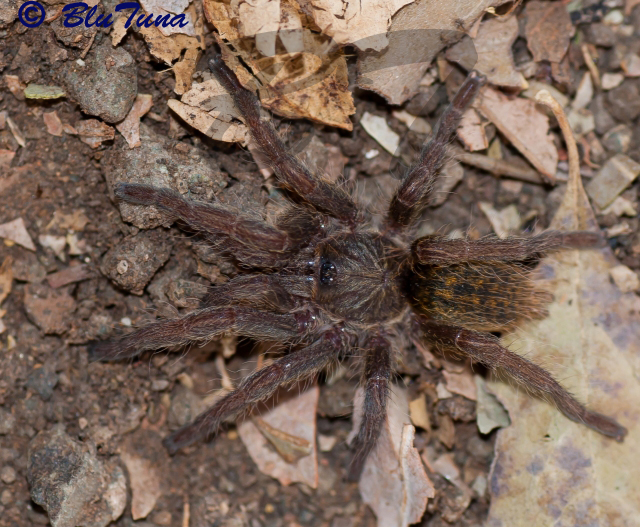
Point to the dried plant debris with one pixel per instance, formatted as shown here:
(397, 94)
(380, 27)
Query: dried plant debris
(393, 481)
(16, 231)
(282, 442)
(418, 32)
(548, 30)
(525, 126)
(130, 127)
(547, 469)
(309, 80)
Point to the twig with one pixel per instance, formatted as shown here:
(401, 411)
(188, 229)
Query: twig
(500, 167)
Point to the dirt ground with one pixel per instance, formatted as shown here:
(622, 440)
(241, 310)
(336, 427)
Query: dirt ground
(57, 186)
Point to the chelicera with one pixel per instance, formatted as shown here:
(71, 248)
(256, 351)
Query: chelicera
(325, 282)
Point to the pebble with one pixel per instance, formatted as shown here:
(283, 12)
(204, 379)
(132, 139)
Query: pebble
(614, 177)
(7, 475)
(68, 480)
(626, 279)
(624, 101)
(105, 85)
(618, 139)
(144, 253)
(162, 163)
(7, 422)
(43, 382)
(48, 308)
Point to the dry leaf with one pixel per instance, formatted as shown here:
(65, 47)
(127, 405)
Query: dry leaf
(291, 448)
(490, 52)
(210, 109)
(525, 126)
(490, 413)
(364, 23)
(160, 8)
(295, 417)
(130, 126)
(185, 69)
(53, 123)
(471, 131)
(93, 132)
(461, 383)
(309, 81)
(6, 278)
(6, 156)
(417, 34)
(17, 232)
(548, 30)
(505, 221)
(15, 131)
(393, 481)
(169, 48)
(549, 470)
(377, 127)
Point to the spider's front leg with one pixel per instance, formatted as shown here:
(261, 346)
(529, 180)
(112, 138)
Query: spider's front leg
(417, 186)
(486, 349)
(292, 174)
(203, 325)
(253, 242)
(439, 250)
(297, 366)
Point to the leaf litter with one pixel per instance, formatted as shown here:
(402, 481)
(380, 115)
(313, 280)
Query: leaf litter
(547, 469)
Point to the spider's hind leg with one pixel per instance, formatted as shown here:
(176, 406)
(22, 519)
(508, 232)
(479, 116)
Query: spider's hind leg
(487, 350)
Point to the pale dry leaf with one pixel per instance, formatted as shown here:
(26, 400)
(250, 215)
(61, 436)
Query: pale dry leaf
(525, 126)
(170, 48)
(53, 123)
(210, 109)
(377, 127)
(6, 157)
(16, 132)
(118, 30)
(549, 470)
(490, 413)
(418, 32)
(184, 70)
(130, 126)
(393, 481)
(160, 8)
(16, 231)
(295, 417)
(364, 23)
(548, 30)
(291, 448)
(419, 413)
(505, 221)
(461, 383)
(94, 132)
(492, 55)
(471, 131)
(308, 81)
(6, 278)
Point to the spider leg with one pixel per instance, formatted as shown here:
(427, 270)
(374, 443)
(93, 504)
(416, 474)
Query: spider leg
(375, 380)
(203, 325)
(257, 290)
(486, 349)
(414, 193)
(292, 174)
(299, 365)
(252, 241)
(439, 250)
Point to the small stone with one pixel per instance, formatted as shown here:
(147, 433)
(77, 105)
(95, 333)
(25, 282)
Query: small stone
(7, 422)
(42, 381)
(377, 127)
(631, 65)
(6, 498)
(49, 309)
(614, 177)
(162, 518)
(106, 86)
(8, 475)
(132, 263)
(582, 122)
(601, 115)
(72, 484)
(600, 34)
(159, 385)
(326, 443)
(618, 139)
(624, 101)
(611, 80)
(626, 280)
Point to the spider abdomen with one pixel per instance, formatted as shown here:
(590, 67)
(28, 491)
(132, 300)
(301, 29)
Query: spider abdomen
(481, 296)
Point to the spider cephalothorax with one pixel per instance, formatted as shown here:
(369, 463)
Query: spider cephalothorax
(324, 282)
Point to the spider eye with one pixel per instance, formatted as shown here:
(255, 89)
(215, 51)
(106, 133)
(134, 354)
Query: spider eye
(328, 272)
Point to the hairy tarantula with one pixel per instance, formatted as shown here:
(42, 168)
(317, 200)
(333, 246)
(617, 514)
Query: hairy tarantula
(327, 284)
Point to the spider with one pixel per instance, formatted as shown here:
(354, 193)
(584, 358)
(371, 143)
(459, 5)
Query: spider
(323, 281)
